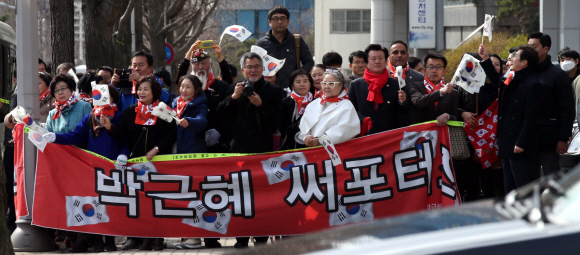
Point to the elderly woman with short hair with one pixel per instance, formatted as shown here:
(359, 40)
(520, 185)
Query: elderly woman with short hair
(68, 110)
(331, 115)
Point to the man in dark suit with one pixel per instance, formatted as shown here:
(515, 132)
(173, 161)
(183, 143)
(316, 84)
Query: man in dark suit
(431, 99)
(557, 112)
(377, 98)
(400, 57)
(517, 137)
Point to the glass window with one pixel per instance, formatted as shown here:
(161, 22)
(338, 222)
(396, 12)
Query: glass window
(247, 18)
(350, 21)
(263, 26)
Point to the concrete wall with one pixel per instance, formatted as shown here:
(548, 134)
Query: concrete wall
(344, 44)
(561, 20)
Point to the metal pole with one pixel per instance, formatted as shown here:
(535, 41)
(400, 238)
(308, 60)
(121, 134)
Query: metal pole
(26, 237)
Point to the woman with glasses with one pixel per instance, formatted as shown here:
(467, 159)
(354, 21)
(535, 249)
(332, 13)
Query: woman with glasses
(331, 115)
(68, 110)
(293, 108)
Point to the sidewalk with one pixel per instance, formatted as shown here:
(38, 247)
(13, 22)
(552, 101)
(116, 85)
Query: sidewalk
(227, 247)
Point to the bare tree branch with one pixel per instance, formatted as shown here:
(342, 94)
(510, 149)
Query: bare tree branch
(125, 18)
(174, 9)
(201, 25)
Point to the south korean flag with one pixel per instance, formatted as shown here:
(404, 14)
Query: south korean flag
(100, 94)
(414, 139)
(278, 168)
(82, 211)
(141, 169)
(351, 213)
(208, 220)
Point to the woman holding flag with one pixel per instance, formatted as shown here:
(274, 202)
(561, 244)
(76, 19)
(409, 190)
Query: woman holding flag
(90, 135)
(191, 109)
(331, 115)
(293, 108)
(68, 110)
(145, 134)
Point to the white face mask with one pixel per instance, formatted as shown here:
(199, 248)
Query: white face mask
(567, 65)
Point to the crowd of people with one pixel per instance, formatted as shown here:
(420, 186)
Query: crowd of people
(537, 106)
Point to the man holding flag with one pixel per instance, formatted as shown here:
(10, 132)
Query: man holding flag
(431, 98)
(517, 135)
(400, 57)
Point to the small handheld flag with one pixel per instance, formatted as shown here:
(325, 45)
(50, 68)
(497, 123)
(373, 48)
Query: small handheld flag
(271, 64)
(100, 94)
(239, 32)
(329, 147)
(164, 112)
(469, 74)
(399, 74)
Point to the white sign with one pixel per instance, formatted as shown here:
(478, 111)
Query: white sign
(422, 24)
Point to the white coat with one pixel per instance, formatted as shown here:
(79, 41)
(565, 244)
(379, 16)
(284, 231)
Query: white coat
(339, 121)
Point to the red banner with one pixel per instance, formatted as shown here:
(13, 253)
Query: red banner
(21, 208)
(483, 136)
(219, 195)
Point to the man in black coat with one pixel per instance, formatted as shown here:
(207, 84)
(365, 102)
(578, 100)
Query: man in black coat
(431, 99)
(253, 115)
(400, 57)
(518, 121)
(556, 112)
(377, 98)
(279, 43)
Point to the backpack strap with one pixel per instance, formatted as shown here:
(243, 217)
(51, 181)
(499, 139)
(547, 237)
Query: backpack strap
(297, 46)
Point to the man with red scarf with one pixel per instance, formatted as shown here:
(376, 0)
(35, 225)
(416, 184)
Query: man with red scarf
(400, 57)
(431, 98)
(377, 98)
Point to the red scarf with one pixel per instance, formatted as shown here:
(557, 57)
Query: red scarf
(323, 98)
(317, 93)
(181, 104)
(61, 106)
(145, 115)
(86, 98)
(44, 95)
(105, 110)
(393, 70)
(301, 101)
(509, 78)
(376, 83)
(210, 79)
(430, 87)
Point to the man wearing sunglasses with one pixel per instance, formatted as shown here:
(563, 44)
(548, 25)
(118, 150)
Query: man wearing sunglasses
(431, 98)
(279, 43)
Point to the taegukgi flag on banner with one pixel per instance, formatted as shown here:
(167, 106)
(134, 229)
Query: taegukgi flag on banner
(208, 220)
(100, 94)
(414, 139)
(239, 32)
(278, 168)
(82, 211)
(271, 64)
(351, 213)
(469, 74)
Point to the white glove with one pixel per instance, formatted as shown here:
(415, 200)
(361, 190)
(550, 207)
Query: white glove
(49, 137)
(122, 160)
(212, 137)
(43, 125)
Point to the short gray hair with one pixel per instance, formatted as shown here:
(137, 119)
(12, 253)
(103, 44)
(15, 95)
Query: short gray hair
(336, 73)
(250, 55)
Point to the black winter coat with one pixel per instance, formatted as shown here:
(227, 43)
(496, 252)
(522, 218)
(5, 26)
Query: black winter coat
(252, 127)
(142, 139)
(423, 105)
(518, 115)
(289, 125)
(412, 77)
(557, 110)
(386, 116)
(286, 50)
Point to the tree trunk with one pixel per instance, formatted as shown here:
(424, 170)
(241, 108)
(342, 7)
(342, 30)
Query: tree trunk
(139, 25)
(100, 18)
(155, 20)
(5, 242)
(62, 32)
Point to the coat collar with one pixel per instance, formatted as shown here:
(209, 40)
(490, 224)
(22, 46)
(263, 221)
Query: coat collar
(317, 110)
(545, 64)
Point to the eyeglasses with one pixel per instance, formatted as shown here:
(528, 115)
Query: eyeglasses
(256, 67)
(434, 67)
(58, 91)
(282, 18)
(330, 84)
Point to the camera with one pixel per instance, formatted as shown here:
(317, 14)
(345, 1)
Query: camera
(248, 89)
(124, 78)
